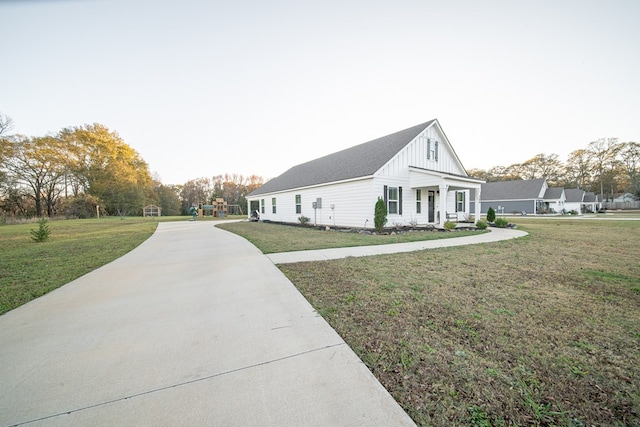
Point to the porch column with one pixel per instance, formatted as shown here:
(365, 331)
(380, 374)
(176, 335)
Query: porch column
(443, 203)
(478, 212)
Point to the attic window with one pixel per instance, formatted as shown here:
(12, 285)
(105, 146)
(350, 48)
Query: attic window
(432, 149)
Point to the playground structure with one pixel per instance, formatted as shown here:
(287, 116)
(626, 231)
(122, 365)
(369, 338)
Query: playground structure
(217, 209)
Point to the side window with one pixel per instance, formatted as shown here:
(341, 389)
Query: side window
(273, 205)
(392, 206)
(418, 201)
(298, 204)
(262, 206)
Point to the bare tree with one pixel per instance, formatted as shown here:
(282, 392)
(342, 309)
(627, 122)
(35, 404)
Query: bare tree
(578, 169)
(602, 155)
(630, 153)
(6, 124)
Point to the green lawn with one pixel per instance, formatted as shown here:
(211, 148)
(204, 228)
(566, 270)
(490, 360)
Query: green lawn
(542, 330)
(272, 238)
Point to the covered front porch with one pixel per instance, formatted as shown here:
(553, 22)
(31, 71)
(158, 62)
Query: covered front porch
(446, 195)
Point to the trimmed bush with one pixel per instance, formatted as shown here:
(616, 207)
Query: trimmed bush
(491, 214)
(501, 222)
(448, 225)
(380, 215)
(303, 219)
(481, 224)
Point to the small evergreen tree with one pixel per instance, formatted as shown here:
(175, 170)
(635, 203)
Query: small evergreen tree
(42, 233)
(380, 214)
(491, 214)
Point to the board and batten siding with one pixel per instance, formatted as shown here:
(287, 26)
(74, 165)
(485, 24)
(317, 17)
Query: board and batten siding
(416, 154)
(396, 174)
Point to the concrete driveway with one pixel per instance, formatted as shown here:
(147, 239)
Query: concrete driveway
(194, 327)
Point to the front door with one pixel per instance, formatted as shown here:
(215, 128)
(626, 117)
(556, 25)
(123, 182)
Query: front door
(432, 206)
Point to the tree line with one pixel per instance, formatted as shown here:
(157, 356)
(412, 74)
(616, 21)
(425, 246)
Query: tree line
(606, 166)
(85, 170)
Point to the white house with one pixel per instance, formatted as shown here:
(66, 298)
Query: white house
(416, 171)
(575, 200)
(582, 201)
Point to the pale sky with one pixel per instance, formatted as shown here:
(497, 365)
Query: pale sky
(201, 88)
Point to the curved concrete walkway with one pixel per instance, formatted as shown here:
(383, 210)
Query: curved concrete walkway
(496, 234)
(194, 327)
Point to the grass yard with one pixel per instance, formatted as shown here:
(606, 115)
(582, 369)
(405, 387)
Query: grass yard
(75, 247)
(542, 330)
(272, 238)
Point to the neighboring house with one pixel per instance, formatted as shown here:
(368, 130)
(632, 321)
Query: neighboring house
(582, 201)
(530, 197)
(592, 202)
(415, 171)
(554, 200)
(624, 198)
(575, 200)
(622, 201)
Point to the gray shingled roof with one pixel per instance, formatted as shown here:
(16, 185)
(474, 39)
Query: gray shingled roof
(574, 195)
(355, 162)
(512, 190)
(590, 197)
(553, 193)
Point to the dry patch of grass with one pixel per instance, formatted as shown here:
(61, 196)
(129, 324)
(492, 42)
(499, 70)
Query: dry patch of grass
(543, 330)
(273, 238)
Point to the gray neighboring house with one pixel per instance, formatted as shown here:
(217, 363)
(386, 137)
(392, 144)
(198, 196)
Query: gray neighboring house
(415, 171)
(530, 197)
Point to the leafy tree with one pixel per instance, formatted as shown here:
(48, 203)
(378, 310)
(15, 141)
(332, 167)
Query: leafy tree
(35, 163)
(578, 169)
(195, 191)
(502, 173)
(380, 214)
(14, 201)
(480, 174)
(101, 164)
(234, 187)
(167, 198)
(81, 206)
